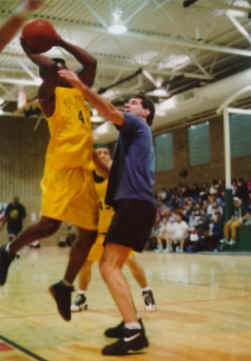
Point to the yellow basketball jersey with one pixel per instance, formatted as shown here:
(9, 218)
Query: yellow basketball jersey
(71, 143)
(105, 212)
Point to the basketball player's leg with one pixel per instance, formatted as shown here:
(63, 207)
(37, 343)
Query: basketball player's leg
(61, 291)
(137, 271)
(44, 228)
(140, 277)
(111, 264)
(79, 253)
(130, 332)
(84, 278)
(82, 211)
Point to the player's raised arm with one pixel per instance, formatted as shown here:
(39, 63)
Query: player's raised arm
(89, 63)
(38, 59)
(9, 29)
(105, 108)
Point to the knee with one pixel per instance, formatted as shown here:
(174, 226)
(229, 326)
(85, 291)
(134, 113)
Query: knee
(105, 269)
(86, 239)
(83, 244)
(48, 226)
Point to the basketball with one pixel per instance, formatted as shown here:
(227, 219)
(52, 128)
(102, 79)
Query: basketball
(39, 35)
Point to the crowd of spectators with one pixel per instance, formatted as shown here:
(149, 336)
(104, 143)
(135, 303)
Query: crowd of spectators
(191, 219)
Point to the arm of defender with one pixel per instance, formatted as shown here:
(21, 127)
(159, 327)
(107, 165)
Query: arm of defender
(9, 29)
(105, 108)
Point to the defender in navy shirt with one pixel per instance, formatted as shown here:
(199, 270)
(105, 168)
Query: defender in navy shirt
(130, 193)
(132, 174)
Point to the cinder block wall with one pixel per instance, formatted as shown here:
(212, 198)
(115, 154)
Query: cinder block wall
(241, 167)
(22, 152)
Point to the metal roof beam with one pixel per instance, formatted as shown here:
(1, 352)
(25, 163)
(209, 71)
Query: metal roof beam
(215, 4)
(20, 81)
(166, 39)
(239, 27)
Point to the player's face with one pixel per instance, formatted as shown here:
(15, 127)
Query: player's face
(134, 106)
(104, 156)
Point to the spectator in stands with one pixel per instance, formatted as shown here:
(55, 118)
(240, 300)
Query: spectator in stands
(204, 191)
(213, 206)
(161, 234)
(195, 191)
(161, 207)
(162, 194)
(213, 188)
(177, 232)
(239, 215)
(242, 190)
(193, 219)
(234, 187)
(207, 242)
(14, 216)
(249, 202)
(216, 225)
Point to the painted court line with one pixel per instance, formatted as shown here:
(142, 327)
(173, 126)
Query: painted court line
(22, 349)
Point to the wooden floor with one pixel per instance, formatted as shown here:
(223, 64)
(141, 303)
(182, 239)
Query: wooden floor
(204, 310)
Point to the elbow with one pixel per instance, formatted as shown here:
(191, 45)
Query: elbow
(94, 63)
(92, 69)
(93, 66)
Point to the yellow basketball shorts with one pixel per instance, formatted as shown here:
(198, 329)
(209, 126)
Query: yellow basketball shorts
(97, 249)
(69, 195)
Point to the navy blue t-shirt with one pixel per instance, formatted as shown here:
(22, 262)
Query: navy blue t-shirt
(132, 173)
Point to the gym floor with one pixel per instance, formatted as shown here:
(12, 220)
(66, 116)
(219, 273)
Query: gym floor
(203, 310)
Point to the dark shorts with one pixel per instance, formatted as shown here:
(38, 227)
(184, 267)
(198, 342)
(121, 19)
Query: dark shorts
(132, 223)
(14, 229)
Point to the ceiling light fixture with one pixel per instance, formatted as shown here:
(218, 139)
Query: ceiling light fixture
(117, 27)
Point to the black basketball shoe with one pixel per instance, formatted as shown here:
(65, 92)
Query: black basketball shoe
(62, 295)
(5, 261)
(133, 340)
(118, 331)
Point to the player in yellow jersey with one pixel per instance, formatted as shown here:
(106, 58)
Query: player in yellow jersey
(104, 219)
(9, 29)
(68, 190)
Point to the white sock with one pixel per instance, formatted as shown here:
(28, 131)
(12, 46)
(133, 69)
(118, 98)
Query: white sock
(146, 289)
(80, 292)
(133, 325)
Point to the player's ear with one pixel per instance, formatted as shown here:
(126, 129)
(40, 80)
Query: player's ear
(146, 112)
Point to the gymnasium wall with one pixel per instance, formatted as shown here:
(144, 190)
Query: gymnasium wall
(21, 162)
(241, 167)
(22, 159)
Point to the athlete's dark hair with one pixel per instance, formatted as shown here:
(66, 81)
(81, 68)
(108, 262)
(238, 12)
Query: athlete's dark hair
(59, 60)
(147, 104)
(43, 69)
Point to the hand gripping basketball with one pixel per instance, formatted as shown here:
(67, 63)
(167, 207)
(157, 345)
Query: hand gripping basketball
(39, 35)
